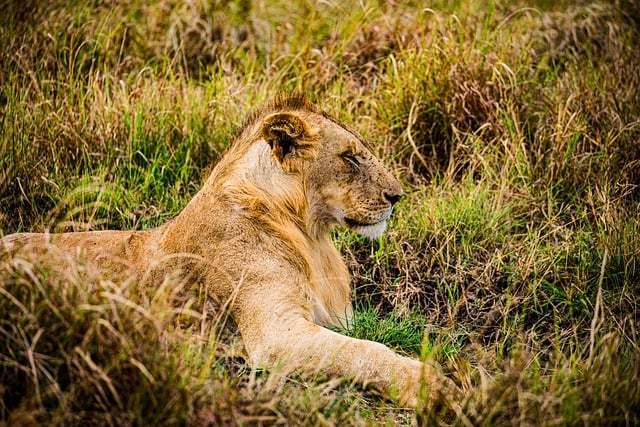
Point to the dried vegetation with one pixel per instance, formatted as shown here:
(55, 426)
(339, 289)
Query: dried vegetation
(514, 260)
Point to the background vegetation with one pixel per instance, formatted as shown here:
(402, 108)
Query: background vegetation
(514, 260)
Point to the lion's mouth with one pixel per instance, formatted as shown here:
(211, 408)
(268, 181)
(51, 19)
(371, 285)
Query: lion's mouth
(371, 230)
(356, 224)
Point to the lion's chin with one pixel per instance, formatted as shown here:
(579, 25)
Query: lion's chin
(370, 231)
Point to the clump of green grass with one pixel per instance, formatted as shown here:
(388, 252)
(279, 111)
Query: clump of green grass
(512, 260)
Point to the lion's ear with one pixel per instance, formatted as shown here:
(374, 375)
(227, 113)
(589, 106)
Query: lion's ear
(290, 138)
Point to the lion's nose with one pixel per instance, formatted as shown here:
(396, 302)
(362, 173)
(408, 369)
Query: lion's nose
(392, 197)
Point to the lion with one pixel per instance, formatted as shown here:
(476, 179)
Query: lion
(256, 237)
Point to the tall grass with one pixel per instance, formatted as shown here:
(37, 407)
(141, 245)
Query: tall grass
(514, 259)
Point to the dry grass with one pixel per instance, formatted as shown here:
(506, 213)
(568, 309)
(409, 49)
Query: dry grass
(514, 260)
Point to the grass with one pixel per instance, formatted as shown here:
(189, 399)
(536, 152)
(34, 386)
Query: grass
(514, 259)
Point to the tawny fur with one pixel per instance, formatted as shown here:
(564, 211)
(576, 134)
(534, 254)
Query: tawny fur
(256, 236)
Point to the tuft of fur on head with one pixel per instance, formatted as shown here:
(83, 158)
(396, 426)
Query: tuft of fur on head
(282, 102)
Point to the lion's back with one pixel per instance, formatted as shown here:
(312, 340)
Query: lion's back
(107, 249)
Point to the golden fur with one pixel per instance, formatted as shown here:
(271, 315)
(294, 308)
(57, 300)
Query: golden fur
(256, 236)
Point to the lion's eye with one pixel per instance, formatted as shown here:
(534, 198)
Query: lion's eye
(351, 159)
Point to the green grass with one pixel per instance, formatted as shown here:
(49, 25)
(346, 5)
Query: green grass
(513, 260)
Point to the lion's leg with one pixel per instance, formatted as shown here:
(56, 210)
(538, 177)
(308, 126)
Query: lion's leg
(303, 345)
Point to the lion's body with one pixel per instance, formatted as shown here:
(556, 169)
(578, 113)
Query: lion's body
(256, 236)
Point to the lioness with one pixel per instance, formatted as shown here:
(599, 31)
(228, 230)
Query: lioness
(256, 236)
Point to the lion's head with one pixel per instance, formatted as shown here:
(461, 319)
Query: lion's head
(344, 182)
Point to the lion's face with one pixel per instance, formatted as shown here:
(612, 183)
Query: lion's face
(357, 189)
(345, 182)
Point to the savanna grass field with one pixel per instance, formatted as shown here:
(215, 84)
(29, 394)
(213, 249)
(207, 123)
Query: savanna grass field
(513, 260)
